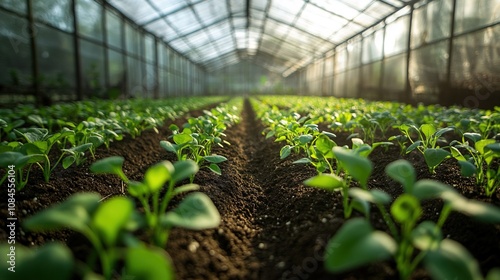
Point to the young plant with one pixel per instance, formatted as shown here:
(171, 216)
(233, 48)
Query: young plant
(357, 243)
(196, 211)
(21, 164)
(105, 225)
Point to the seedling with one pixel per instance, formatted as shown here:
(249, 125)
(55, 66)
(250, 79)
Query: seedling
(196, 211)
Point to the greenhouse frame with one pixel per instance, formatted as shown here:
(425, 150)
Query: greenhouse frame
(411, 51)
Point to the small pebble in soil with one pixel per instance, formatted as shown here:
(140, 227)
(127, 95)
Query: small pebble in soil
(288, 223)
(280, 265)
(211, 252)
(323, 220)
(271, 257)
(262, 246)
(220, 231)
(297, 211)
(35, 199)
(24, 211)
(193, 246)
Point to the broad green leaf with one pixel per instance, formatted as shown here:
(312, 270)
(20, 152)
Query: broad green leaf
(325, 181)
(493, 274)
(451, 261)
(109, 165)
(433, 157)
(215, 158)
(137, 189)
(110, 218)
(403, 172)
(157, 175)
(196, 211)
(184, 169)
(74, 213)
(9, 158)
(355, 165)
(33, 134)
(467, 169)
(270, 134)
(356, 244)
(302, 161)
(456, 154)
(480, 145)
(495, 147)
(474, 137)
(52, 261)
(215, 169)
(285, 151)
(78, 149)
(143, 263)
(168, 146)
(329, 134)
(430, 189)
(182, 138)
(413, 146)
(428, 130)
(442, 131)
(324, 144)
(185, 188)
(306, 138)
(68, 161)
(426, 236)
(373, 196)
(406, 208)
(476, 209)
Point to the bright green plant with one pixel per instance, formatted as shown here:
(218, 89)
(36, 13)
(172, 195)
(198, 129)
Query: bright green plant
(357, 243)
(105, 225)
(479, 160)
(21, 164)
(196, 211)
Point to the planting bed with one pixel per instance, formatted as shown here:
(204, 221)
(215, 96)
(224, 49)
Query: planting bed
(273, 227)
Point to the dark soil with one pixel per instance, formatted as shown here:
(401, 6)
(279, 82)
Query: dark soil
(273, 227)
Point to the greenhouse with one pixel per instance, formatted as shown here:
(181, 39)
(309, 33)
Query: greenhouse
(256, 139)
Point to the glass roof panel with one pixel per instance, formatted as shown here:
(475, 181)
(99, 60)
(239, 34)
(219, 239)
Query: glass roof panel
(278, 34)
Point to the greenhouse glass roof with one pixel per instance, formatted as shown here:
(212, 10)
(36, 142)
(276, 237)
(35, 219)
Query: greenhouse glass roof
(280, 35)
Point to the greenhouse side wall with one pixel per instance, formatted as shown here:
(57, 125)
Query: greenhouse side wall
(443, 51)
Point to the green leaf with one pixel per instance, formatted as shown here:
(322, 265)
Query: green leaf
(451, 261)
(355, 165)
(33, 134)
(185, 188)
(110, 218)
(474, 137)
(426, 236)
(168, 146)
(478, 210)
(357, 244)
(324, 144)
(433, 157)
(456, 154)
(109, 165)
(495, 147)
(373, 196)
(74, 213)
(430, 189)
(493, 274)
(413, 146)
(403, 172)
(480, 145)
(215, 158)
(442, 131)
(143, 263)
(184, 169)
(157, 175)
(406, 208)
(52, 261)
(285, 151)
(302, 161)
(68, 161)
(137, 189)
(306, 138)
(467, 169)
(215, 169)
(182, 138)
(9, 158)
(329, 182)
(196, 212)
(428, 130)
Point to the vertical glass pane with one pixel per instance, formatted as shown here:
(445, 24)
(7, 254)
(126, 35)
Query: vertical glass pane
(373, 46)
(15, 5)
(149, 80)
(472, 14)
(15, 52)
(340, 60)
(114, 30)
(396, 36)
(92, 61)
(56, 61)
(394, 81)
(352, 89)
(431, 22)
(132, 38)
(354, 54)
(89, 16)
(339, 84)
(134, 77)
(54, 12)
(370, 80)
(116, 70)
(149, 49)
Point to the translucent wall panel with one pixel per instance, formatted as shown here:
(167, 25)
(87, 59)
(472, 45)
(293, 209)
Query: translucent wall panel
(56, 60)
(431, 22)
(394, 80)
(114, 30)
(472, 14)
(373, 47)
(396, 36)
(149, 48)
(54, 12)
(427, 71)
(370, 80)
(340, 60)
(352, 85)
(132, 39)
(92, 61)
(354, 54)
(134, 77)
(15, 5)
(339, 84)
(475, 63)
(328, 86)
(149, 80)
(15, 54)
(329, 63)
(116, 70)
(162, 83)
(89, 16)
